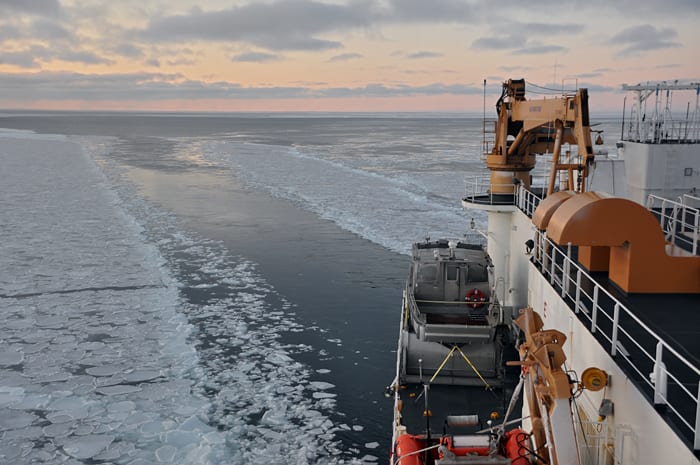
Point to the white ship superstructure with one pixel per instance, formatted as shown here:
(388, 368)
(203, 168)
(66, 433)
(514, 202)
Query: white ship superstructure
(624, 290)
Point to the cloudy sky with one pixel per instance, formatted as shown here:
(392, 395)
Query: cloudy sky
(333, 55)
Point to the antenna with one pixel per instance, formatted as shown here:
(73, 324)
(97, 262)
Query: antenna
(483, 125)
(624, 107)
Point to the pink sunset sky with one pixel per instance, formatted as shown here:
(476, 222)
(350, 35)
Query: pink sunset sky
(333, 55)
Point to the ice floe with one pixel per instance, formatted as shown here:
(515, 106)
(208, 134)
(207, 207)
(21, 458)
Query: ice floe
(327, 186)
(91, 317)
(108, 359)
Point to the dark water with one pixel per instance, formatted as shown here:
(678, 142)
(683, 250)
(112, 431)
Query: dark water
(337, 281)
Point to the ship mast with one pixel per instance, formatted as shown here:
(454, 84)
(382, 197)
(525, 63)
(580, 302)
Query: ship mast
(660, 126)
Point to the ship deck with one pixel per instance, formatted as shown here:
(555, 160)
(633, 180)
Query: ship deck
(650, 329)
(447, 400)
(673, 318)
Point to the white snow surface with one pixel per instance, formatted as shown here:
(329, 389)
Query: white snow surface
(92, 348)
(103, 360)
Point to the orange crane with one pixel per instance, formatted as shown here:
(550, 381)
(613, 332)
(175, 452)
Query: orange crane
(529, 127)
(548, 391)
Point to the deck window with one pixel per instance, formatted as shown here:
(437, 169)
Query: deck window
(427, 274)
(477, 273)
(452, 272)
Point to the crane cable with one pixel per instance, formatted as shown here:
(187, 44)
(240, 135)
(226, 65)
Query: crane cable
(549, 89)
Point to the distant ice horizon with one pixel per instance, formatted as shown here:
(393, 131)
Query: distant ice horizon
(490, 113)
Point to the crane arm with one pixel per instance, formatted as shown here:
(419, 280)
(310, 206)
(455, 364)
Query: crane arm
(529, 127)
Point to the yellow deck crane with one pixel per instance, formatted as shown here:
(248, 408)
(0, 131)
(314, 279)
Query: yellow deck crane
(549, 391)
(529, 127)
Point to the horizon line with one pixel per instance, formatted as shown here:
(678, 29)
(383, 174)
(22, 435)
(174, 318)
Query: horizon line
(471, 113)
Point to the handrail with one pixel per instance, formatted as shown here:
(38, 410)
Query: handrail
(452, 302)
(684, 220)
(396, 425)
(570, 262)
(479, 186)
(565, 274)
(686, 198)
(527, 201)
(672, 131)
(412, 306)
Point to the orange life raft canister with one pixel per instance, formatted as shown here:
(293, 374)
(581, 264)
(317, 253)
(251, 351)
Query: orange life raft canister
(405, 445)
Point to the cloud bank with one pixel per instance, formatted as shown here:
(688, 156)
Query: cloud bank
(130, 50)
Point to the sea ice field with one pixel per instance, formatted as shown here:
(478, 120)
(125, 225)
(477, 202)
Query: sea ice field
(96, 359)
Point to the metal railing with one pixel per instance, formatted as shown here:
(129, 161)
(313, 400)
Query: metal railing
(527, 201)
(691, 200)
(654, 132)
(679, 220)
(478, 189)
(661, 369)
(672, 379)
(476, 186)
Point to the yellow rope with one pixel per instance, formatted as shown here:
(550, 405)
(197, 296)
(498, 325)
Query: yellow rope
(449, 355)
(488, 386)
(442, 365)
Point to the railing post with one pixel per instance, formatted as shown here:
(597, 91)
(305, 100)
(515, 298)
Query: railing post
(526, 201)
(578, 290)
(594, 310)
(660, 376)
(554, 265)
(674, 220)
(543, 252)
(662, 217)
(616, 321)
(650, 202)
(696, 442)
(566, 268)
(696, 233)
(519, 194)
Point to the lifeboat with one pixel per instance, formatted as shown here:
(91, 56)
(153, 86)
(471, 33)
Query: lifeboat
(451, 308)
